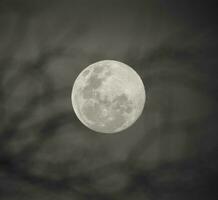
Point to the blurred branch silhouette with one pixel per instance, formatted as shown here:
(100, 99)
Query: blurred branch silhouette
(30, 120)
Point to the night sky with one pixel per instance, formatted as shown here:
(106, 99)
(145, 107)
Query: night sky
(171, 151)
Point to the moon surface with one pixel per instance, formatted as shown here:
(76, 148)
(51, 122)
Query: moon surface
(108, 96)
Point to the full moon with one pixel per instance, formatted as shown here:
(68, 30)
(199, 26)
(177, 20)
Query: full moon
(108, 96)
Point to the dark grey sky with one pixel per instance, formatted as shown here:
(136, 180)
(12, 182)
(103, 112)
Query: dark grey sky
(169, 153)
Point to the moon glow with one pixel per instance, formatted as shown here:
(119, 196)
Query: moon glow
(108, 96)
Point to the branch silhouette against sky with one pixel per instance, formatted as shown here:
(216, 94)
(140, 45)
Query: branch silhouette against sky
(169, 153)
